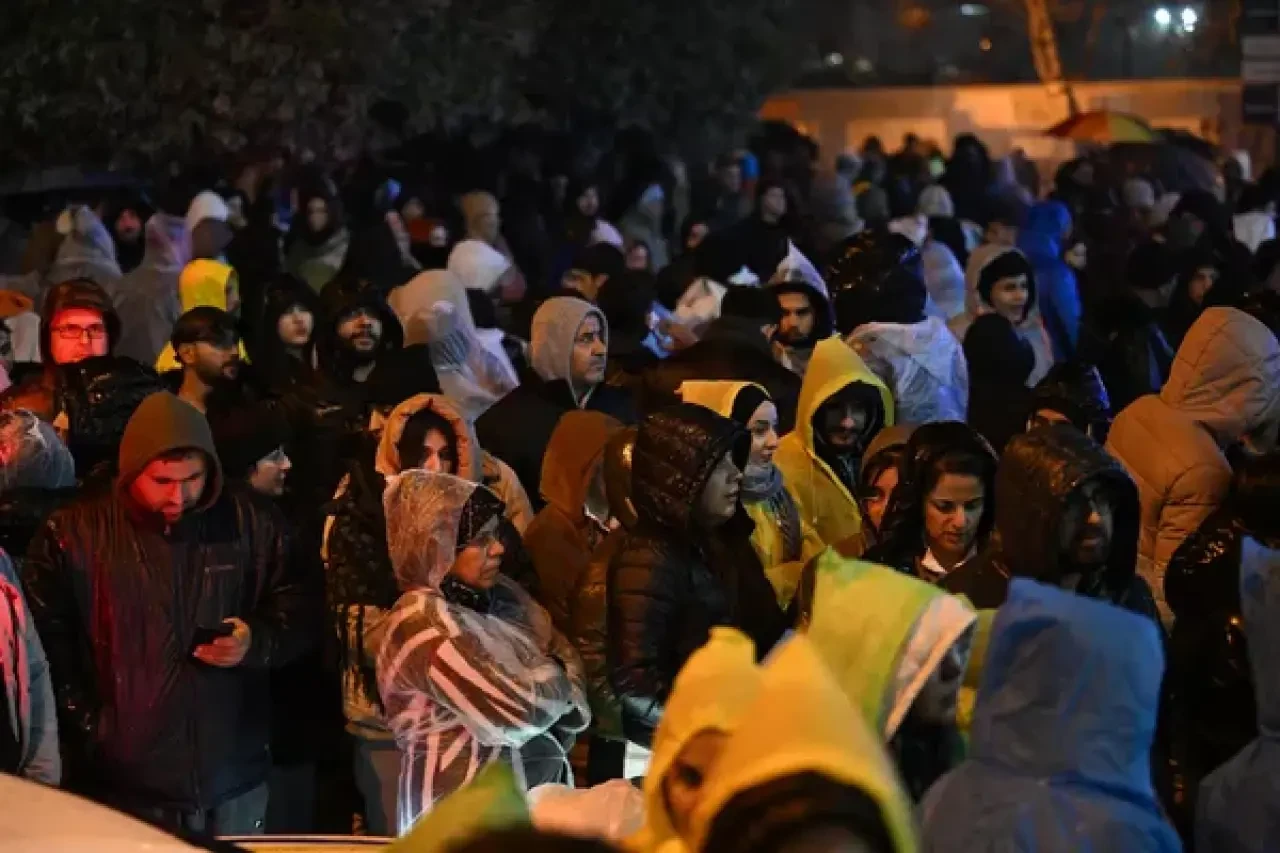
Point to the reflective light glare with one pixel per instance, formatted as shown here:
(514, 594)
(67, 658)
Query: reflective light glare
(985, 44)
(1163, 17)
(1189, 18)
(834, 59)
(973, 10)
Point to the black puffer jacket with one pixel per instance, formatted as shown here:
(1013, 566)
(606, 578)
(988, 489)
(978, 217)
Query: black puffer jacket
(671, 580)
(1037, 476)
(99, 395)
(117, 600)
(1209, 681)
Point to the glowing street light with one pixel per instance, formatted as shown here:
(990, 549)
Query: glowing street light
(1189, 19)
(1163, 17)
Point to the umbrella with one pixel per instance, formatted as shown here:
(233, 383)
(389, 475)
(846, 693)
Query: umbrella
(1175, 167)
(63, 179)
(1103, 126)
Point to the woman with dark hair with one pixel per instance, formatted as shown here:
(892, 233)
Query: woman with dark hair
(317, 243)
(943, 509)
(879, 474)
(1000, 280)
(1204, 281)
(286, 351)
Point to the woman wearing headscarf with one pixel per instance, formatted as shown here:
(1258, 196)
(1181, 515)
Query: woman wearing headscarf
(317, 243)
(782, 539)
(470, 668)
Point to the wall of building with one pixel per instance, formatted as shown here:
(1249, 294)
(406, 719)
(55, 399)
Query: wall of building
(1009, 117)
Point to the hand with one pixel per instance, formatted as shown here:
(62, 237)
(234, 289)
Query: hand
(228, 651)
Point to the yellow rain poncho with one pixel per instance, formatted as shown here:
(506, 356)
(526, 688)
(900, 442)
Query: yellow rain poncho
(825, 503)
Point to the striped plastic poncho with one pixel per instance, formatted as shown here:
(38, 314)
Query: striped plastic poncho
(467, 683)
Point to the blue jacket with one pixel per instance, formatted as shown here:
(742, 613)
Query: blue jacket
(1059, 758)
(1239, 804)
(1057, 294)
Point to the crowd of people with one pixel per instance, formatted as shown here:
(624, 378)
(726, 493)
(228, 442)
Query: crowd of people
(902, 503)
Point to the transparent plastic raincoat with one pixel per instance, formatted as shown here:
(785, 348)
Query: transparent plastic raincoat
(466, 685)
(922, 363)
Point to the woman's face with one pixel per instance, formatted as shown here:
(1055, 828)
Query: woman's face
(952, 512)
(295, 326)
(589, 202)
(1009, 297)
(477, 564)
(683, 784)
(880, 493)
(317, 214)
(1201, 283)
(638, 258)
(764, 434)
(437, 456)
(719, 499)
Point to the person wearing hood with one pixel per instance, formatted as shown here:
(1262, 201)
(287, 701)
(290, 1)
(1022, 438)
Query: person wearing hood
(643, 223)
(708, 699)
(843, 405)
(1137, 356)
(898, 647)
(1000, 361)
(575, 516)
(1000, 280)
(591, 268)
(481, 267)
(879, 473)
(687, 565)
(1212, 684)
(125, 223)
(1205, 280)
(204, 283)
(737, 345)
(285, 353)
(879, 300)
(1043, 239)
(583, 226)
(1060, 746)
(359, 335)
(824, 782)
(568, 351)
(471, 364)
(77, 323)
(806, 320)
(426, 432)
(147, 299)
(1066, 514)
(317, 243)
(1235, 810)
(1224, 390)
(941, 513)
(37, 474)
(969, 176)
(482, 215)
(782, 539)
(86, 252)
(1072, 393)
(470, 668)
(162, 686)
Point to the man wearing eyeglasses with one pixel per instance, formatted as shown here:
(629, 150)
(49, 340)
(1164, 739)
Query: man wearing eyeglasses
(78, 323)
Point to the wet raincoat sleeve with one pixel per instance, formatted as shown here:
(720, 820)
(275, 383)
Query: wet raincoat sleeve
(49, 587)
(501, 704)
(28, 684)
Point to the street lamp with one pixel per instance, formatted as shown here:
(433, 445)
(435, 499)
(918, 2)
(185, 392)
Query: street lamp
(1163, 17)
(1189, 19)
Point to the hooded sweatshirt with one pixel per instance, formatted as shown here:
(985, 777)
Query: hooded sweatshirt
(782, 552)
(825, 503)
(87, 251)
(147, 298)
(1225, 382)
(472, 365)
(1237, 807)
(1060, 750)
(555, 328)
(713, 690)
(1031, 329)
(464, 687)
(810, 726)
(202, 283)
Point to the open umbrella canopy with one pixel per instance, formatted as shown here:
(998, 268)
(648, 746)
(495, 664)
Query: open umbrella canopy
(1103, 126)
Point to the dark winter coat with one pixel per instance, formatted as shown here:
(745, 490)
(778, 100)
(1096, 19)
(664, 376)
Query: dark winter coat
(732, 348)
(517, 428)
(671, 581)
(1136, 356)
(1210, 681)
(1037, 475)
(117, 597)
(999, 363)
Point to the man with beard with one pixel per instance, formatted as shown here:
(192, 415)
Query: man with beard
(207, 345)
(843, 405)
(806, 319)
